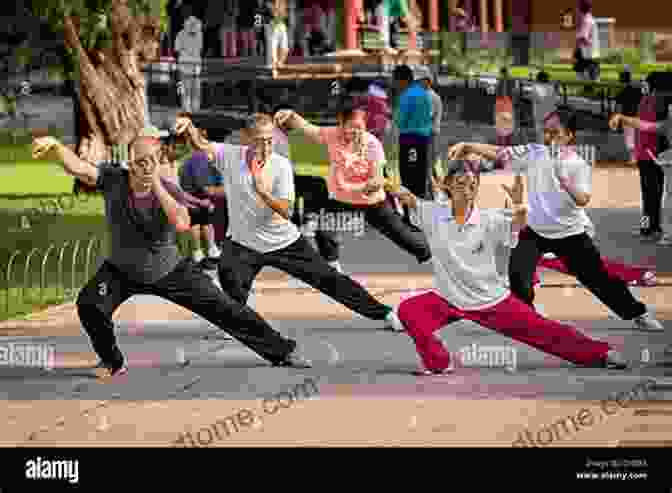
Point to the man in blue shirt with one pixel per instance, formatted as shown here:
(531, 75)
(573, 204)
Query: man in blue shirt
(413, 117)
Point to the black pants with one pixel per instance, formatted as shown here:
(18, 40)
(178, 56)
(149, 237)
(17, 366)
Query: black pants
(415, 167)
(583, 260)
(240, 265)
(385, 220)
(186, 286)
(212, 41)
(315, 198)
(652, 180)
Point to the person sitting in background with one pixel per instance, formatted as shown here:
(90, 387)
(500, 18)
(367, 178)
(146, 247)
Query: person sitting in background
(544, 102)
(196, 176)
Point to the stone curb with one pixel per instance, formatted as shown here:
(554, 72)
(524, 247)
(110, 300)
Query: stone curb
(376, 284)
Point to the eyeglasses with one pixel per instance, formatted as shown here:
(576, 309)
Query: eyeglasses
(461, 167)
(262, 141)
(148, 161)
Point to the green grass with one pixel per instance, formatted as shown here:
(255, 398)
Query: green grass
(29, 191)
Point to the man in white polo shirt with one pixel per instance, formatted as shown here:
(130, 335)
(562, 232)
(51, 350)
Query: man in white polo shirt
(559, 183)
(260, 190)
(463, 240)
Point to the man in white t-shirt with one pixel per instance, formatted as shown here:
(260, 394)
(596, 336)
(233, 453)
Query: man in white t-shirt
(463, 240)
(259, 188)
(559, 182)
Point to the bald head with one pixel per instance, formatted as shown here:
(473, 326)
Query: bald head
(143, 147)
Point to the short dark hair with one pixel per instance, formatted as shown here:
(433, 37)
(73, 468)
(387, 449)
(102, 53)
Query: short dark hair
(402, 72)
(458, 167)
(543, 77)
(585, 6)
(568, 118)
(282, 106)
(356, 84)
(348, 105)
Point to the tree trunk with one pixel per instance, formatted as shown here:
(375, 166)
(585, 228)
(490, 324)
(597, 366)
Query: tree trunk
(112, 84)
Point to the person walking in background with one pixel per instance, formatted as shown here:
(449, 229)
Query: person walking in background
(654, 111)
(627, 103)
(277, 36)
(586, 68)
(196, 177)
(544, 102)
(425, 76)
(144, 218)
(228, 30)
(506, 102)
(189, 46)
(464, 240)
(559, 190)
(413, 118)
(247, 20)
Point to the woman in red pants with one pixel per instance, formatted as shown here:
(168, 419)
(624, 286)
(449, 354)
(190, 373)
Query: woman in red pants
(463, 241)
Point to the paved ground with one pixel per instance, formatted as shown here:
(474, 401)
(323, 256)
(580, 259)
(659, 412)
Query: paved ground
(361, 390)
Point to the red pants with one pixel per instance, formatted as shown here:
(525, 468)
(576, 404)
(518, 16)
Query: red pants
(626, 273)
(427, 313)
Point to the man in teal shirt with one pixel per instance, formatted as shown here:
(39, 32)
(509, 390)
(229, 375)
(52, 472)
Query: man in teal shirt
(413, 117)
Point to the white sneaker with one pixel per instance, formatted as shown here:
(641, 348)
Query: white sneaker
(550, 256)
(647, 323)
(214, 252)
(198, 256)
(392, 322)
(436, 373)
(666, 240)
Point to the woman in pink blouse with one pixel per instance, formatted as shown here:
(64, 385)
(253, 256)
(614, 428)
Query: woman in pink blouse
(355, 179)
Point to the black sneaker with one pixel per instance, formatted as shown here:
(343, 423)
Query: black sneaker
(294, 360)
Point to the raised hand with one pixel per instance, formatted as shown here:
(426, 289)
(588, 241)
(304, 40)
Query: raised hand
(42, 146)
(283, 117)
(457, 151)
(516, 193)
(615, 121)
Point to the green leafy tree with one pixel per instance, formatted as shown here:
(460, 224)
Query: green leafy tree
(108, 43)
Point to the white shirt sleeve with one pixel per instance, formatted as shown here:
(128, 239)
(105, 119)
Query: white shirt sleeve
(426, 216)
(581, 177)
(283, 184)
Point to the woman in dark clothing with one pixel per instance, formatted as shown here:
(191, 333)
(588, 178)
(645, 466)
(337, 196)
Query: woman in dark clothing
(627, 103)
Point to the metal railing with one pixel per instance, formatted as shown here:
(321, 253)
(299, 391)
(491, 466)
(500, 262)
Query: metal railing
(36, 278)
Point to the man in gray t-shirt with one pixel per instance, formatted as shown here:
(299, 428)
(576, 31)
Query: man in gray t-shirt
(259, 187)
(144, 216)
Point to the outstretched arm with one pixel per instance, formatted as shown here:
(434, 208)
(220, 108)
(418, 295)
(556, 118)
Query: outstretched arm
(72, 164)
